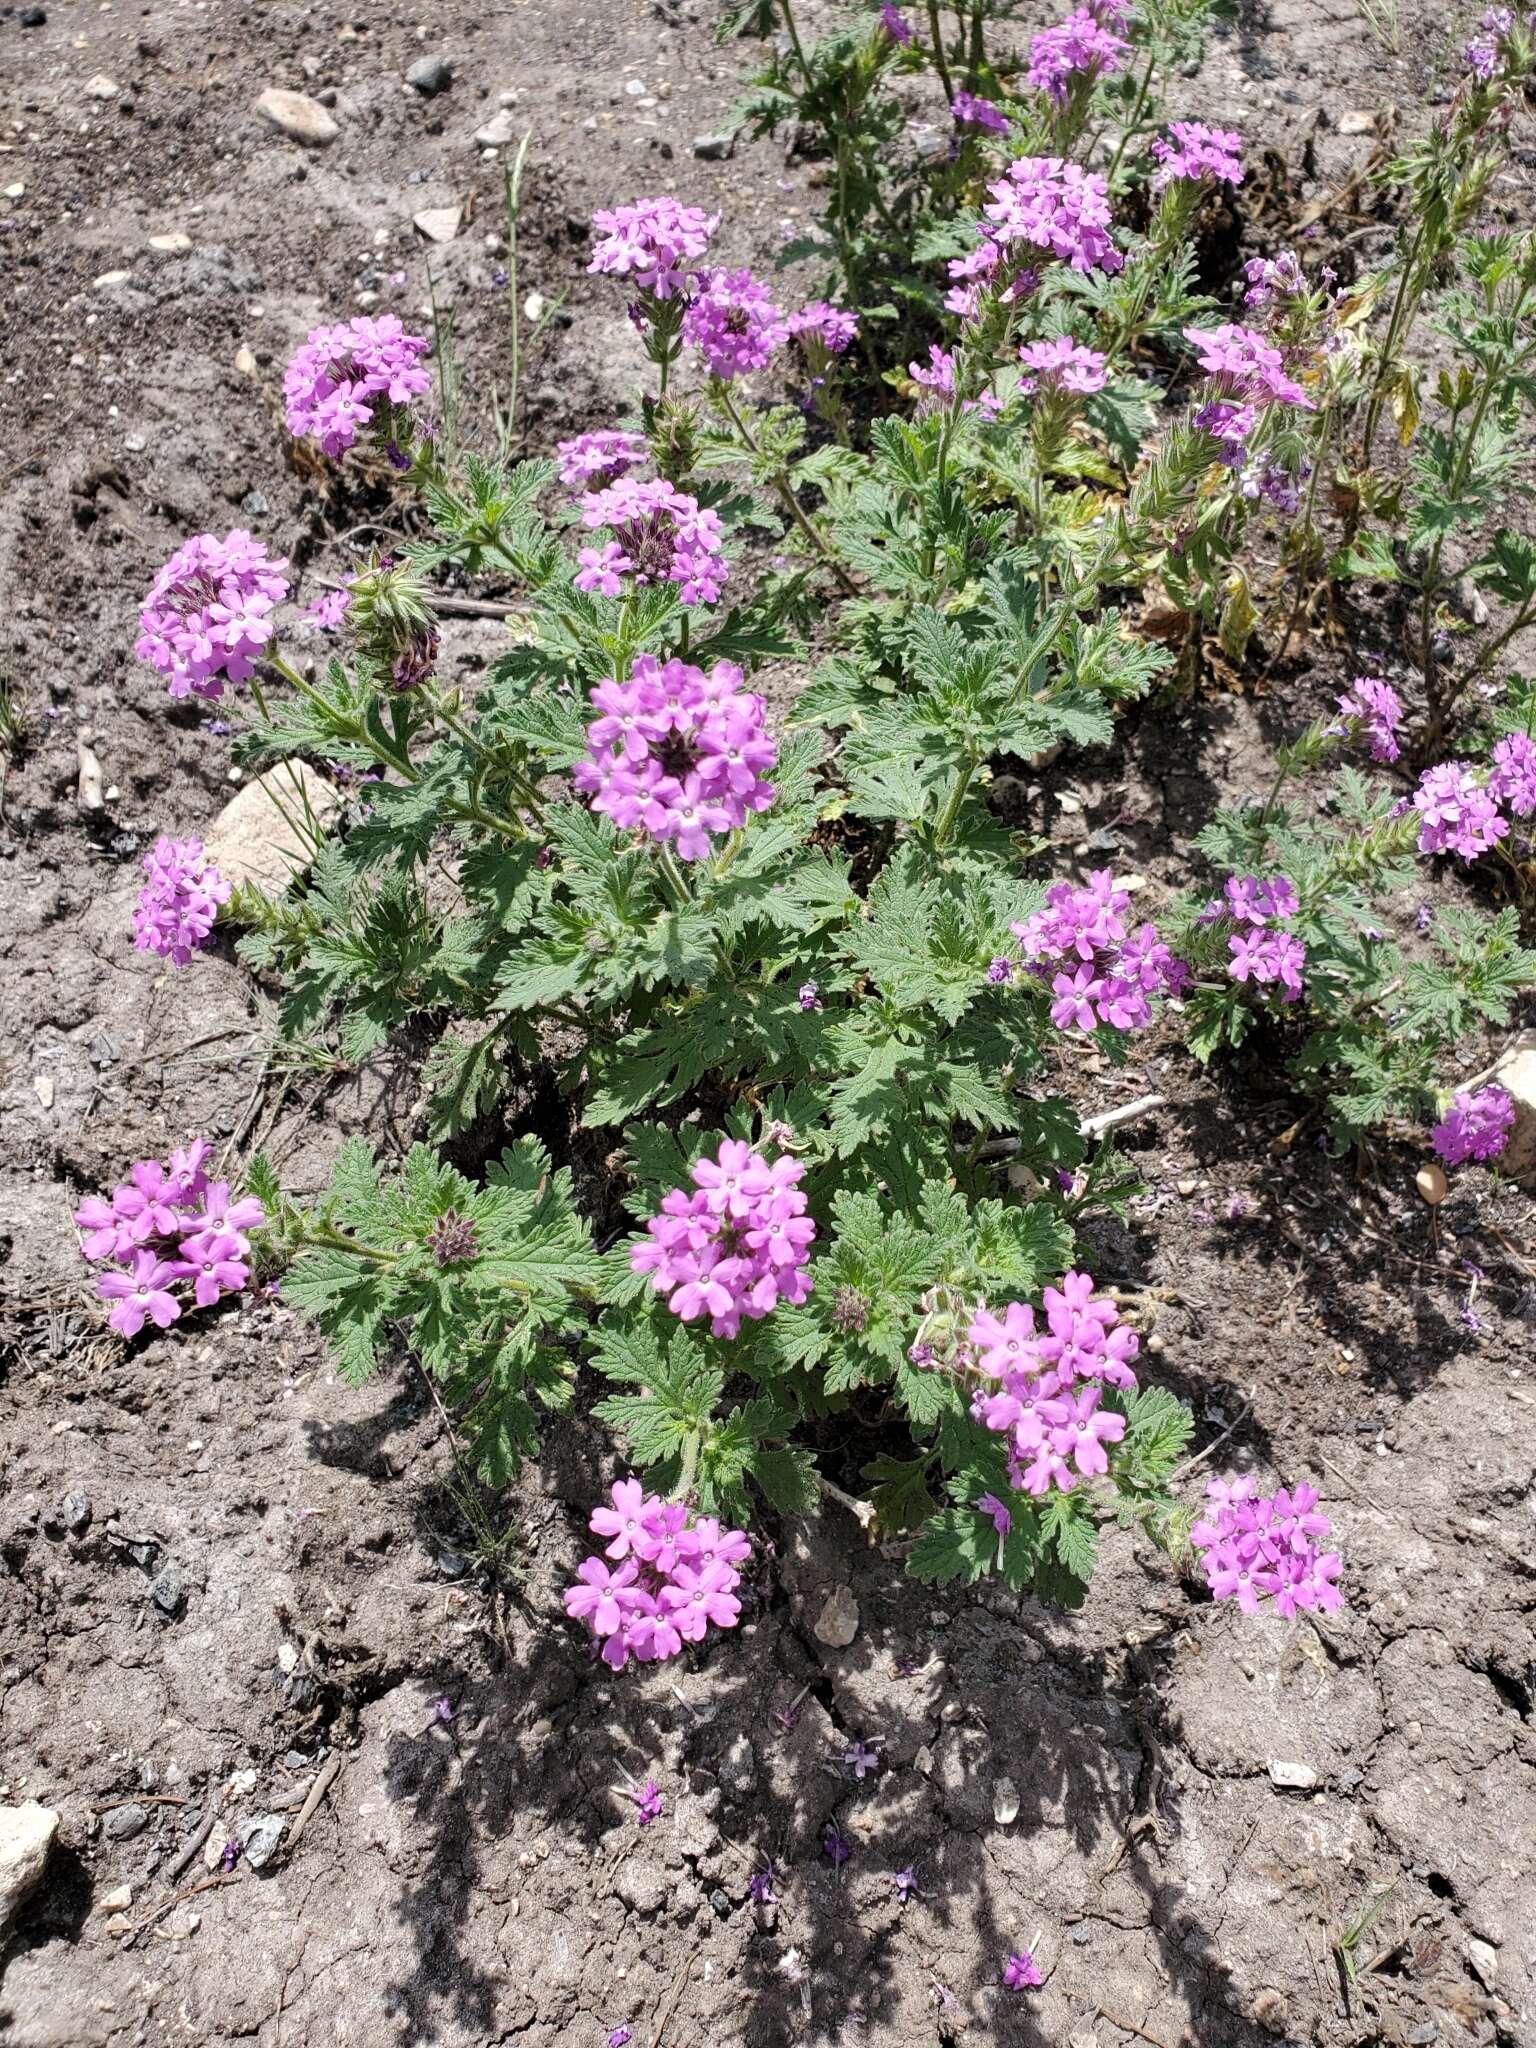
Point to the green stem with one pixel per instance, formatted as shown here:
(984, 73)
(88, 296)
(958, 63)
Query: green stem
(951, 810)
(1130, 127)
(327, 1237)
(666, 860)
(937, 31)
(1389, 342)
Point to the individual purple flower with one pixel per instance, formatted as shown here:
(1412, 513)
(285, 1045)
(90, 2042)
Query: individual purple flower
(647, 1800)
(1061, 365)
(329, 609)
(733, 323)
(660, 535)
(179, 903)
(344, 375)
(1266, 477)
(1378, 712)
(937, 374)
(619, 2037)
(894, 26)
(999, 969)
(1021, 1972)
(835, 1845)
(760, 1886)
(589, 461)
(1513, 781)
(809, 996)
(141, 1294)
(1457, 814)
(1244, 366)
(907, 1888)
(833, 326)
(1476, 1126)
(442, 1709)
(971, 111)
(1271, 278)
(1047, 208)
(208, 616)
(1255, 1548)
(1077, 50)
(214, 1261)
(1196, 154)
(658, 242)
(736, 1246)
(678, 754)
(1269, 959)
(862, 1758)
(1002, 1518)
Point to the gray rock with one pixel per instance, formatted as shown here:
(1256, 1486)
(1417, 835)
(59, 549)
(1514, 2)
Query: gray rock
(26, 1832)
(430, 76)
(255, 837)
(101, 87)
(76, 1511)
(1484, 1958)
(738, 1767)
(714, 149)
(451, 1565)
(168, 1591)
(838, 1622)
(1291, 1777)
(642, 1885)
(124, 1822)
(498, 132)
(259, 1838)
(297, 116)
(33, 17)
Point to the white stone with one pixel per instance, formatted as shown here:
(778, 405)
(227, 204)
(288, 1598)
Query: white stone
(109, 278)
(438, 223)
(1358, 121)
(298, 116)
(101, 87)
(26, 1836)
(1515, 1071)
(1005, 1802)
(259, 836)
(497, 132)
(171, 245)
(245, 362)
(838, 1622)
(1292, 1777)
(42, 1088)
(15, 191)
(534, 307)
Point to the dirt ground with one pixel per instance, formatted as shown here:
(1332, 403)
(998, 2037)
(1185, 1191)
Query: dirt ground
(273, 1587)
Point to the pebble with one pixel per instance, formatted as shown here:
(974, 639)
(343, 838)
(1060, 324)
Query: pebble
(33, 17)
(1293, 1777)
(43, 1089)
(430, 76)
(118, 1900)
(124, 1822)
(1432, 1185)
(245, 362)
(1005, 1802)
(498, 132)
(297, 116)
(534, 308)
(101, 87)
(634, 87)
(714, 149)
(111, 277)
(1357, 121)
(1484, 1959)
(259, 1838)
(168, 1591)
(838, 1622)
(438, 223)
(172, 244)
(923, 1762)
(76, 1512)
(15, 191)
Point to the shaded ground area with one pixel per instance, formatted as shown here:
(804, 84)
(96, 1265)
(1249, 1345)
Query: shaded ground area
(274, 1591)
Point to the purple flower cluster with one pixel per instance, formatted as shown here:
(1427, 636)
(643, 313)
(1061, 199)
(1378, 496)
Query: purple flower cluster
(1266, 478)
(1272, 278)
(1261, 952)
(658, 242)
(1481, 55)
(1081, 47)
(208, 616)
(1247, 373)
(1100, 972)
(1022, 1973)
(178, 905)
(733, 323)
(334, 384)
(1062, 365)
(1255, 1547)
(735, 1246)
(1046, 207)
(1047, 1384)
(659, 535)
(971, 111)
(671, 1575)
(894, 26)
(593, 460)
(1377, 711)
(832, 326)
(1513, 781)
(1197, 152)
(168, 1225)
(937, 374)
(1457, 813)
(677, 752)
(1476, 1126)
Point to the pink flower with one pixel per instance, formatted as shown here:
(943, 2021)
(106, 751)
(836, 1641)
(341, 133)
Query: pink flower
(733, 323)
(1061, 365)
(1197, 153)
(1476, 1126)
(1254, 1548)
(1457, 814)
(971, 111)
(832, 326)
(658, 242)
(175, 913)
(1243, 365)
(1513, 781)
(604, 1597)
(1374, 705)
(143, 1292)
(207, 618)
(1053, 209)
(659, 535)
(1021, 1972)
(938, 375)
(599, 458)
(734, 1248)
(678, 1579)
(342, 375)
(1081, 47)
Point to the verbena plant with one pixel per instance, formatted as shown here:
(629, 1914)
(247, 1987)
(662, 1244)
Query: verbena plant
(784, 960)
